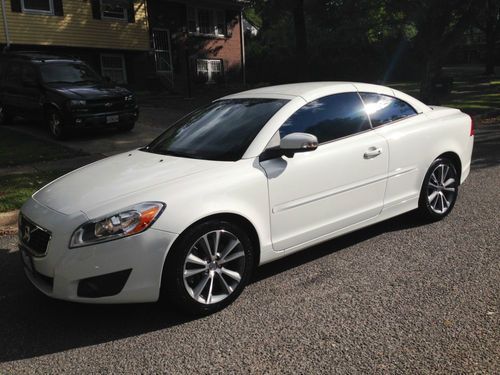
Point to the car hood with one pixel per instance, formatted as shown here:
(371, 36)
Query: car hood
(114, 177)
(93, 92)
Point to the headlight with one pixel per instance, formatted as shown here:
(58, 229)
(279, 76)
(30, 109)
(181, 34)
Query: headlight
(77, 103)
(129, 221)
(129, 98)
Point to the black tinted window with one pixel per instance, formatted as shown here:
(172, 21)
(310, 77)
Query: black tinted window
(383, 109)
(67, 72)
(221, 131)
(329, 118)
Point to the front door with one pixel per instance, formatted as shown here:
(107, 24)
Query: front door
(315, 194)
(163, 52)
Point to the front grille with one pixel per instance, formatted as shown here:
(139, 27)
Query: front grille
(105, 105)
(33, 237)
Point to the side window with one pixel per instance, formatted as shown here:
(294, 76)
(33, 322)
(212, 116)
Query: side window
(28, 74)
(329, 118)
(13, 74)
(383, 109)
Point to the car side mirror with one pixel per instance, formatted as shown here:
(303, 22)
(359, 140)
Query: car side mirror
(290, 145)
(298, 142)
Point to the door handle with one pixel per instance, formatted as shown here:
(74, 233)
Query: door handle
(372, 152)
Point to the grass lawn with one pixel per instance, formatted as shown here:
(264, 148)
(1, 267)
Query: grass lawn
(472, 93)
(16, 189)
(18, 148)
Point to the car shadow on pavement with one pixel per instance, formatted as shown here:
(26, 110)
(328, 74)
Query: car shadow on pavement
(32, 325)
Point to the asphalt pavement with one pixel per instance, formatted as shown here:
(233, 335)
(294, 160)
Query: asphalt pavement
(397, 297)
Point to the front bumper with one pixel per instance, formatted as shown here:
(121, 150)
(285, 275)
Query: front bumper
(127, 270)
(101, 120)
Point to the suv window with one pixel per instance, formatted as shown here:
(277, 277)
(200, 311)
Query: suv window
(68, 72)
(28, 73)
(13, 73)
(383, 109)
(329, 118)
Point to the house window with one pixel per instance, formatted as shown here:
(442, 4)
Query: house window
(114, 9)
(113, 67)
(206, 21)
(38, 6)
(209, 69)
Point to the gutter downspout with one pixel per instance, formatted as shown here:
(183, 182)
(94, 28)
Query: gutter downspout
(5, 26)
(243, 59)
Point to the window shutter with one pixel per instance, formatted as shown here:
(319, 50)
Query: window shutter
(15, 6)
(96, 9)
(131, 11)
(58, 8)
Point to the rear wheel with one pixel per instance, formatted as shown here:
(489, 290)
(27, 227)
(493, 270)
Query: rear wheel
(56, 124)
(208, 267)
(5, 116)
(439, 190)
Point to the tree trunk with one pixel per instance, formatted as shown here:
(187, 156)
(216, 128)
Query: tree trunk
(300, 40)
(429, 74)
(491, 33)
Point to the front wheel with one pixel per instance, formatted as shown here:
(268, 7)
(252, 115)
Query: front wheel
(126, 127)
(56, 124)
(439, 190)
(208, 267)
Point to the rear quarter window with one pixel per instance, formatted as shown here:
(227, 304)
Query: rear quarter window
(384, 109)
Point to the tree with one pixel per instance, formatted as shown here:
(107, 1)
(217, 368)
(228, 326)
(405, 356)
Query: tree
(489, 23)
(439, 26)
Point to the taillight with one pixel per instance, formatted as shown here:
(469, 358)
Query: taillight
(472, 127)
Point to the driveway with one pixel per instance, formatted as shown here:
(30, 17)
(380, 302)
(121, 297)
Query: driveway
(106, 142)
(397, 297)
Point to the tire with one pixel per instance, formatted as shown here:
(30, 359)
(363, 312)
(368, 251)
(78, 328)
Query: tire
(5, 116)
(439, 190)
(126, 127)
(55, 123)
(213, 283)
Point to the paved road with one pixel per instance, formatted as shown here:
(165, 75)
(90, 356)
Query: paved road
(398, 297)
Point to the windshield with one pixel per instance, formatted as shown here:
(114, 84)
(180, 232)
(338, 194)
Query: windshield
(221, 131)
(68, 72)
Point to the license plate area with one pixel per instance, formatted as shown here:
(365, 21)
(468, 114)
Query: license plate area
(112, 119)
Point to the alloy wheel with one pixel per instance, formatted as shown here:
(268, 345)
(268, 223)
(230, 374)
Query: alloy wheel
(55, 124)
(441, 189)
(214, 267)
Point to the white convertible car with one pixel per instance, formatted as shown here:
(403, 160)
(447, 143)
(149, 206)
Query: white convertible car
(248, 179)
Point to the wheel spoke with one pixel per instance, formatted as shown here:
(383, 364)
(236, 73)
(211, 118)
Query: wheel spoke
(224, 283)
(230, 247)
(233, 256)
(210, 289)
(449, 189)
(434, 186)
(194, 271)
(232, 274)
(205, 244)
(442, 202)
(217, 241)
(445, 169)
(433, 195)
(201, 285)
(434, 178)
(448, 182)
(196, 260)
(445, 201)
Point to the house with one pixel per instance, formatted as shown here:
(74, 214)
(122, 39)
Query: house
(135, 42)
(111, 35)
(197, 41)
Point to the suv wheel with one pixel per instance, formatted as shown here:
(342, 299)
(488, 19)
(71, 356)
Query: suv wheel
(208, 267)
(5, 117)
(126, 127)
(56, 124)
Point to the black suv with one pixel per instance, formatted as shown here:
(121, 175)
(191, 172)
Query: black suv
(65, 92)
